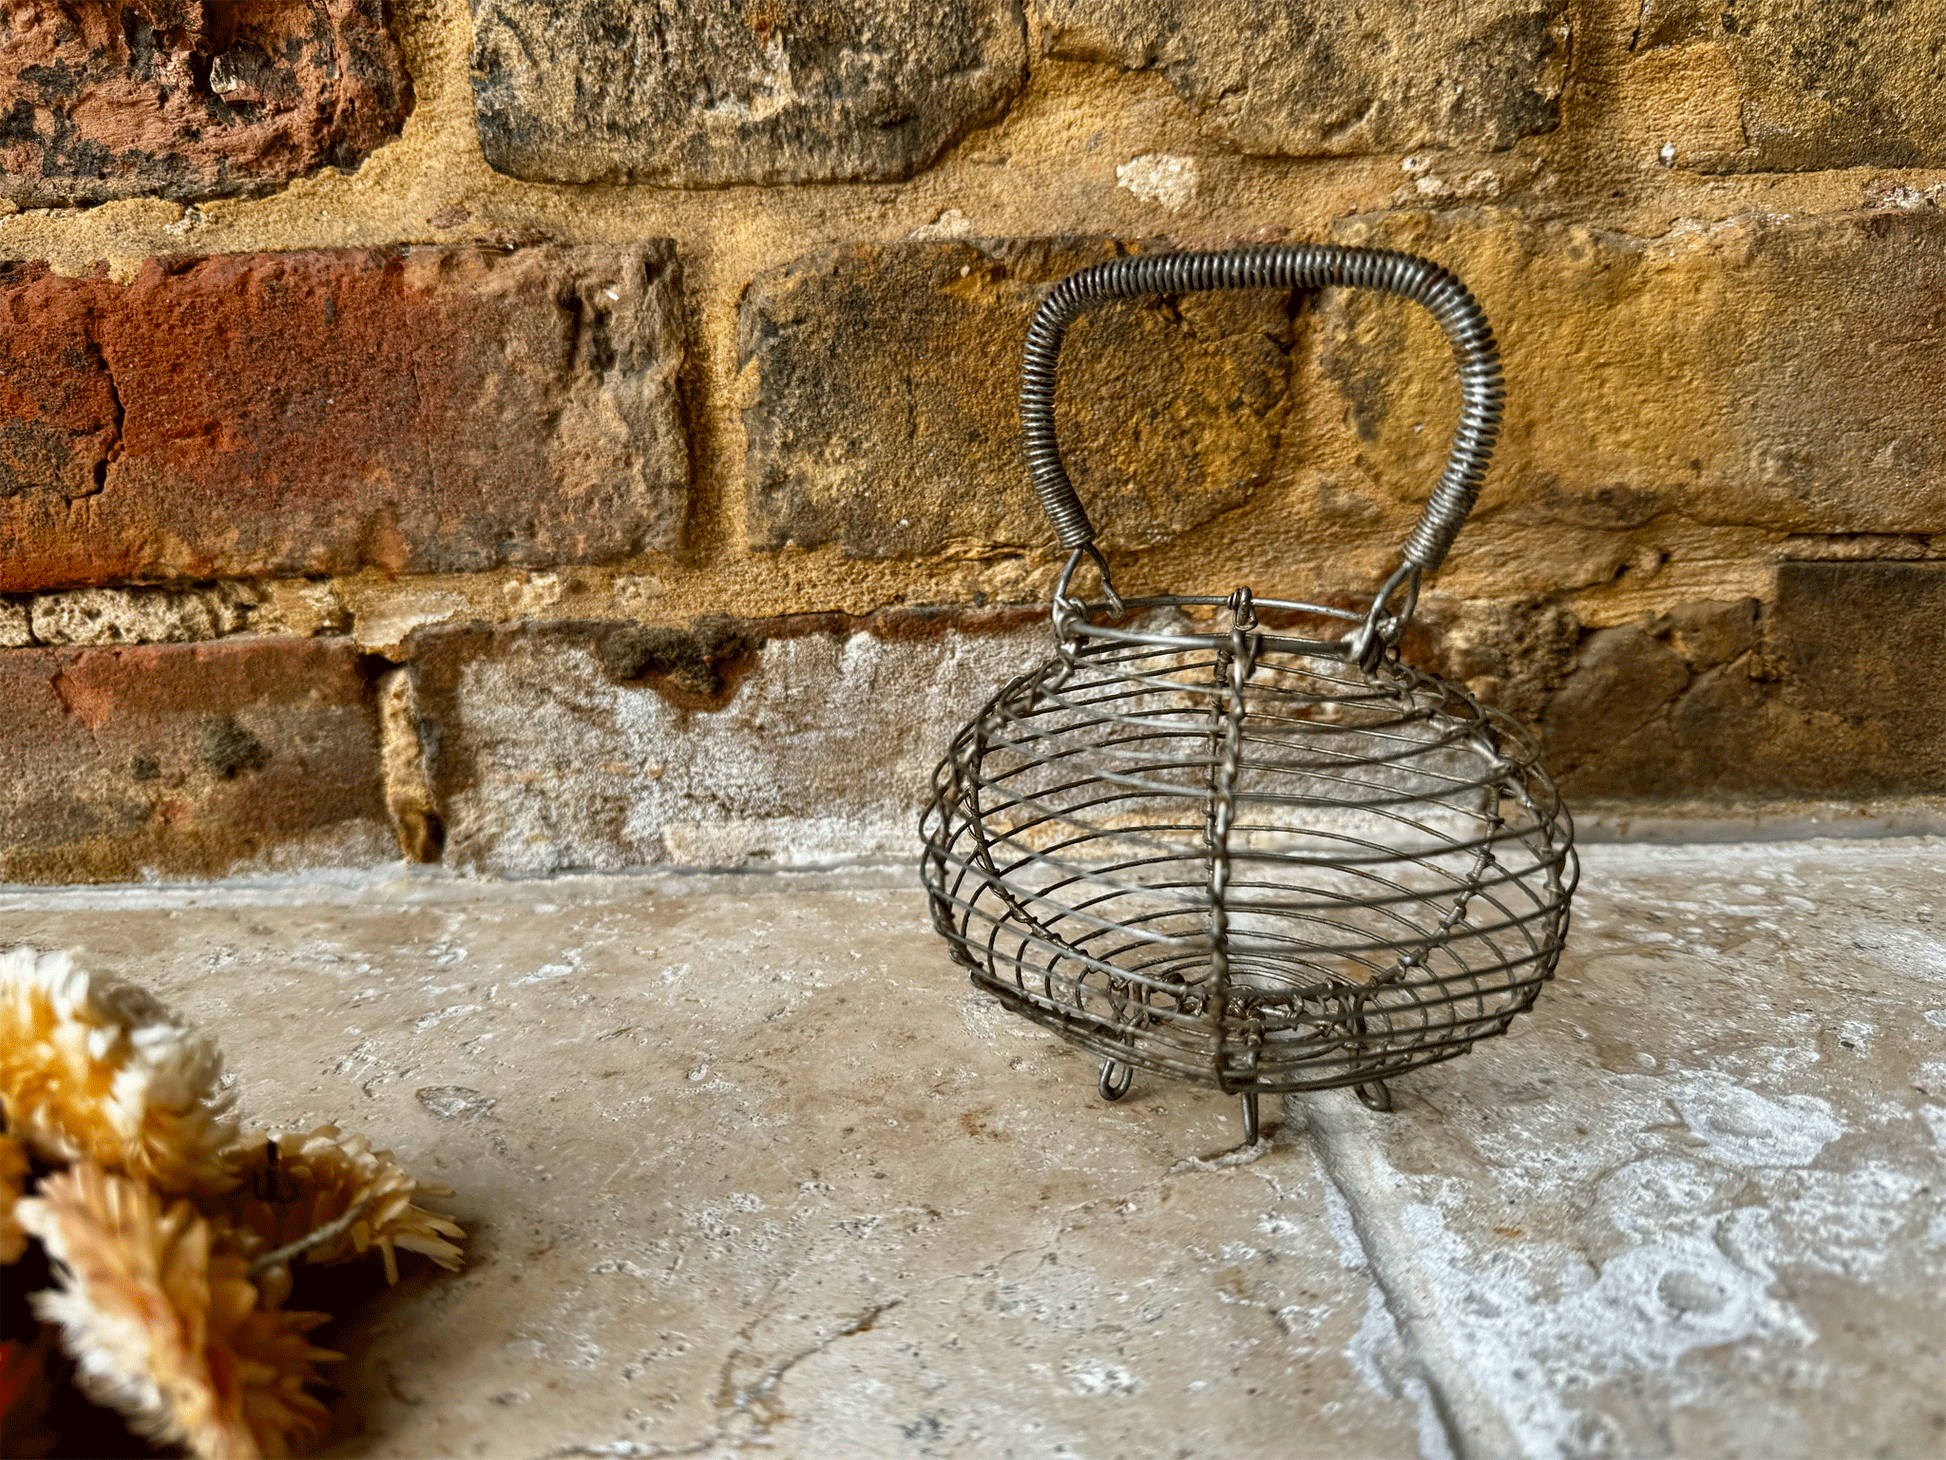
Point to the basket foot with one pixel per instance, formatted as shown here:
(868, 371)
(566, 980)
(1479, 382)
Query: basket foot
(1374, 1095)
(1110, 1089)
(1251, 1131)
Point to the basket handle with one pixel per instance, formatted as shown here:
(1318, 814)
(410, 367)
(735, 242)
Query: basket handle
(1277, 266)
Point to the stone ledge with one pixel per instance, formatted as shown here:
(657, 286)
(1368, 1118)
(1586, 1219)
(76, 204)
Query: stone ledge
(743, 1160)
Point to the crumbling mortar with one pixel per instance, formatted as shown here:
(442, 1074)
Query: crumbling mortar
(406, 740)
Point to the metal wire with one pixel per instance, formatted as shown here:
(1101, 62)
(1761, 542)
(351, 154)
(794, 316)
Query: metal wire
(1254, 860)
(1215, 858)
(1275, 266)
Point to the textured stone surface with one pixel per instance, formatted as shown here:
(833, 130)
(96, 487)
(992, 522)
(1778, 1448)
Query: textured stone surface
(1817, 86)
(745, 1164)
(885, 402)
(187, 761)
(193, 100)
(1838, 689)
(597, 745)
(1695, 1208)
(1769, 372)
(141, 615)
(728, 91)
(408, 409)
(1308, 78)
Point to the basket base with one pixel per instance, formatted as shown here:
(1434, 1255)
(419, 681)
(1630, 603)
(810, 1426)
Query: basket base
(1117, 1079)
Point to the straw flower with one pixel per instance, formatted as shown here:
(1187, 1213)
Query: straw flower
(167, 1330)
(296, 1185)
(97, 1070)
(13, 1168)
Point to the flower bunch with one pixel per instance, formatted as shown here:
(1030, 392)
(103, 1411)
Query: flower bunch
(171, 1234)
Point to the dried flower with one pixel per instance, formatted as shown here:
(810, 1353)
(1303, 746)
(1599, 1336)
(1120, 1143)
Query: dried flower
(13, 1168)
(166, 1330)
(295, 1185)
(94, 1069)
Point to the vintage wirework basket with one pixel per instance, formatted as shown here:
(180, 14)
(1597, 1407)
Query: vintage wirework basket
(1259, 853)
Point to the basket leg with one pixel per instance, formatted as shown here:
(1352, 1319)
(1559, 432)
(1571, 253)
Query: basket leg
(1251, 1130)
(1112, 1090)
(1374, 1094)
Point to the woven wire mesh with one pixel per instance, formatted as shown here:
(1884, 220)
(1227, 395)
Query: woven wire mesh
(1242, 861)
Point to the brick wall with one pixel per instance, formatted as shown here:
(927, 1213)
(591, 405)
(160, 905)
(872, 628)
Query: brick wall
(535, 437)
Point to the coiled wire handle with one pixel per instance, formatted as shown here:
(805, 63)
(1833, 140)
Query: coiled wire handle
(1278, 266)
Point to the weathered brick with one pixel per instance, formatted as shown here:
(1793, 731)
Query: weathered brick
(1838, 689)
(407, 409)
(716, 92)
(1311, 78)
(604, 746)
(1776, 373)
(187, 760)
(1817, 85)
(191, 100)
(884, 415)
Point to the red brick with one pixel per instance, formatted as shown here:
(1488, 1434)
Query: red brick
(188, 760)
(405, 409)
(191, 100)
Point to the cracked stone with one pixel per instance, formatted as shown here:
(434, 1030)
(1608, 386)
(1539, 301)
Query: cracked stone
(1722, 701)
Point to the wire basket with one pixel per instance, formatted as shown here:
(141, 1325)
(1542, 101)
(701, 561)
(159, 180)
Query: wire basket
(1260, 853)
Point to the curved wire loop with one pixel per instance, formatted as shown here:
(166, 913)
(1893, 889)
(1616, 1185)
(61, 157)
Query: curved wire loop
(1277, 266)
(1255, 867)
(1108, 1086)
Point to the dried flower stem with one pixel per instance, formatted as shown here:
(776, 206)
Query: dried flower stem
(329, 1232)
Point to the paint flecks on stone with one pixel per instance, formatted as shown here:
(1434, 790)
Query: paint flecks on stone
(1742, 1128)
(596, 745)
(1160, 178)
